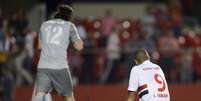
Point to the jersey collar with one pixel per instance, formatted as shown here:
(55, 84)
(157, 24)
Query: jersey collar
(147, 61)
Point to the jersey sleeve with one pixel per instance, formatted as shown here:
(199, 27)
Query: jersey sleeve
(40, 37)
(133, 80)
(74, 36)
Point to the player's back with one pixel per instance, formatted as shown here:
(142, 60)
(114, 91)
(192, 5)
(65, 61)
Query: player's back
(152, 82)
(55, 38)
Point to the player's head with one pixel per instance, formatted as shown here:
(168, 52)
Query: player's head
(64, 12)
(140, 56)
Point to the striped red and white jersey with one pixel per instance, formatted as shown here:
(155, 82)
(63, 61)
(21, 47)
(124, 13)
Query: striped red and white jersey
(149, 81)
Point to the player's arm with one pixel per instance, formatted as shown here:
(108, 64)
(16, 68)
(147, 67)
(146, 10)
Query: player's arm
(133, 85)
(78, 45)
(131, 96)
(75, 38)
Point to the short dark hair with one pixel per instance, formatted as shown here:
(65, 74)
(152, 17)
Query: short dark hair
(141, 55)
(64, 12)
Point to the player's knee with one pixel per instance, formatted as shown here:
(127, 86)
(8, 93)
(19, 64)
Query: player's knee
(47, 97)
(69, 98)
(39, 96)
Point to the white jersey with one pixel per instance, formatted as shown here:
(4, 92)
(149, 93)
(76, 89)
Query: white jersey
(55, 37)
(149, 81)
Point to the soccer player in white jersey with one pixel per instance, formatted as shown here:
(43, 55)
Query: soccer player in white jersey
(147, 81)
(53, 70)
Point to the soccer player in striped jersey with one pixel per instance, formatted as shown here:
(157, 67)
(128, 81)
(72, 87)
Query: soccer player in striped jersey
(147, 81)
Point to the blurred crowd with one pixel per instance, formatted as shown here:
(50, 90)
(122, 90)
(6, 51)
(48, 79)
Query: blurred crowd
(109, 44)
(173, 40)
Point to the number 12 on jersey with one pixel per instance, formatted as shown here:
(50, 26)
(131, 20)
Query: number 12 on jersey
(52, 34)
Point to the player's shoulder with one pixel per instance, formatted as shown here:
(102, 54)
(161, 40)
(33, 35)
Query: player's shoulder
(140, 67)
(47, 22)
(149, 63)
(61, 21)
(155, 65)
(68, 23)
(135, 68)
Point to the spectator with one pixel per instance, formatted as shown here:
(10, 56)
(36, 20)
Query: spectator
(2, 37)
(1, 33)
(75, 63)
(186, 70)
(175, 18)
(7, 81)
(146, 42)
(88, 60)
(197, 64)
(142, 41)
(16, 41)
(113, 55)
(108, 23)
(168, 48)
(81, 29)
(19, 22)
(149, 21)
(29, 48)
(99, 66)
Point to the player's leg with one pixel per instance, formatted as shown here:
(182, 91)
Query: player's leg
(47, 97)
(69, 98)
(43, 85)
(62, 82)
(39, 96)
(69, 88)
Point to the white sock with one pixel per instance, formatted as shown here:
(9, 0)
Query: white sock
(38, 98)
(48, 97)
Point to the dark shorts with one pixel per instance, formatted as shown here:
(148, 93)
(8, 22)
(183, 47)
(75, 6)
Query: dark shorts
(60, 80)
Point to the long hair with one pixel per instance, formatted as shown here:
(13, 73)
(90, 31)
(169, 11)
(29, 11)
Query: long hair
(64, 12)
